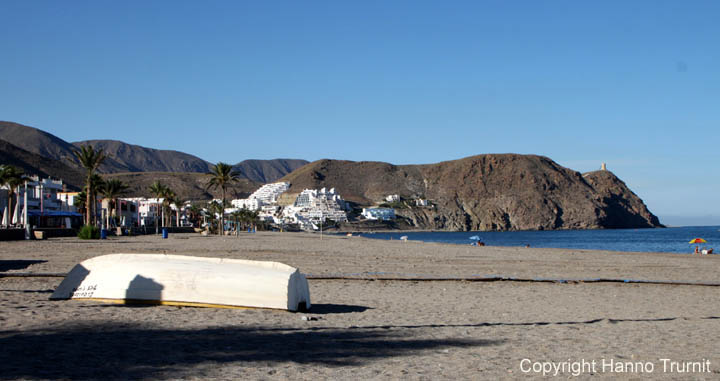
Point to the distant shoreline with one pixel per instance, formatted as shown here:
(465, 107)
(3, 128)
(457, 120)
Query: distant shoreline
(647, 240)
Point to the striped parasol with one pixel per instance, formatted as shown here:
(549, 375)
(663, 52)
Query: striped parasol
(697, 241)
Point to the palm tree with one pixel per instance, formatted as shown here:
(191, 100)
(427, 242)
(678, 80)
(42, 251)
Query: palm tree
(113, 189)
(179, 204)
(194, 213)
(90, 159)
(222, 175)
(244, 217)
(158, 190)
(11, 177)
(237, 216)
(168, 198)
(80, 202)
(252, 216)
(214, 207)
(97, 184)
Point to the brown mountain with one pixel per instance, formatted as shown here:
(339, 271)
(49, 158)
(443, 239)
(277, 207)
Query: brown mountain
(624, 210)
(124, 157)
(49, 146)
(486, 192)
(267, 171)
(362, 182)
(36, 141)
(134, 158)
(187, 185)
(34, 164)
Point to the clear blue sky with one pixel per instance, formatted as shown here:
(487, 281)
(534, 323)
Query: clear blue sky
(635, 84)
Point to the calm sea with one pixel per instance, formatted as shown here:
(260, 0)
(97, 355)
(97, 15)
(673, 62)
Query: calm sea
(667, 240)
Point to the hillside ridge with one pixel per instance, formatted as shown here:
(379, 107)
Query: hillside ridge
(124, 157)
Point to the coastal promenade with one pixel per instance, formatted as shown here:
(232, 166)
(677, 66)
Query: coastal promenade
(372, 328)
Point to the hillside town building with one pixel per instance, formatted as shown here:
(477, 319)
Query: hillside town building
(383, 214)
(266, 195)
(246, 203)
(392, 198)
(313, 207)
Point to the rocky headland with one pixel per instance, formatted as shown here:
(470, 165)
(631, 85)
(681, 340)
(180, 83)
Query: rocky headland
(486, 192)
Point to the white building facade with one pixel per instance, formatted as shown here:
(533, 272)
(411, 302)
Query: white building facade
(266, 195)
(45, 207)
(313, 207)
(383, 214)
(392, 198)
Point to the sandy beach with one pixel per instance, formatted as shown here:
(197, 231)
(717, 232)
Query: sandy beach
(372, 329)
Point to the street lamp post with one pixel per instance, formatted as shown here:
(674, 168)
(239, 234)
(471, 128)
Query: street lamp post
(25, 210)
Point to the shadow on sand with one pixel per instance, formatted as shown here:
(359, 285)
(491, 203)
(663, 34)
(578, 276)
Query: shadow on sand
(17, 264)
(111, 351)
(326, 309)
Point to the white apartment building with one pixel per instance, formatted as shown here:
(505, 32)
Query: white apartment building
(247, 203)
(147, 210)
(45, 207)
(42, 194)
(269, 193)
(384, 214)
(313, 206)
(313, 198)
(265, 195)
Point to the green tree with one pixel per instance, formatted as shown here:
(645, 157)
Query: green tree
(90, 159)
(222, 175)
(237, 216)
(179, 204)
(168, 198)
(251, 217)
(214, 208)
(159, 191)
(98, 187)
(80, 202)
(11, 177)
(194, 214)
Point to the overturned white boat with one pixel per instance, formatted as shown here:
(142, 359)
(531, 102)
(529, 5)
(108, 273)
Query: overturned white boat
(186, 281)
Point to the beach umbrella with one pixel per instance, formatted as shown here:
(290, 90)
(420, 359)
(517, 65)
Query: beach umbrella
(697, 241)
(5, 217)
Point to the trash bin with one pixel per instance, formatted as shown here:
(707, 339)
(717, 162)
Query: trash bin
(103, 234)
(165, 233)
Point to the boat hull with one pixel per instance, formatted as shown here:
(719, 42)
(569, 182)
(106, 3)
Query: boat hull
(186, 280)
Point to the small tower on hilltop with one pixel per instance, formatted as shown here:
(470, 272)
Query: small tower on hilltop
(603, 167)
